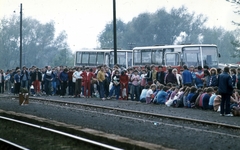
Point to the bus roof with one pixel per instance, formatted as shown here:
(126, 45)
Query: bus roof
(103, 50)
(172, 46)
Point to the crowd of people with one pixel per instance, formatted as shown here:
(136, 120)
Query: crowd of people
(191, 87)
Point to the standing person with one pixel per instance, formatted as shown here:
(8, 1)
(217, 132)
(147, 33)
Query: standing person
(101, 78)
(87, 77)
(160, 75)
(149, 76)
(36, 79)
(64, 81)
(24, 77)
(238, 78)
(234, 77)
(78, 84)
(213, 77)
(1, 81)
(187, 77)
(154, 73)
(143, 80)
(70, 83)
(116, 85)
(17, 82)
(170, 78)
(135, 85)
(124, 84)
(179, 77)
(199, 77)
(48, 78)
(225, 89)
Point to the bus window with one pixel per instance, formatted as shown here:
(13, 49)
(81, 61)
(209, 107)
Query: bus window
(210, 57)
(107, 61)
(157, 56)
(146, 57)
(129, 59)
(191, 56)
(137, 57)
(79, 57)
(92, 58)
(100, 58)
(172, 59)
(85, 57)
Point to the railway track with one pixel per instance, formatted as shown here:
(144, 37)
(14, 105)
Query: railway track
(158, 122)
(139, 114)
(74, 142)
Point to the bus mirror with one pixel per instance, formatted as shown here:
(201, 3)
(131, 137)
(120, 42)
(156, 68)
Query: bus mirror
(219, 55)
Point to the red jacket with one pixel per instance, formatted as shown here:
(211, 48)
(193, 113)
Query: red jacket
(87, 77)
(124, 79)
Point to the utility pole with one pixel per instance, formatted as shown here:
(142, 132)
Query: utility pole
(114, 32)
(20, 36)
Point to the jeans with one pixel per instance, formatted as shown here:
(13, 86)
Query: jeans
(24, 84)
(48, 87)
(225, 102)
(101, 89)
(117, 91)
(135, 90)
(54, 85)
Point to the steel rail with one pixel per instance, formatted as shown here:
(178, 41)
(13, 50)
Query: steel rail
(142, 113)
(62, 133)
(13, 144)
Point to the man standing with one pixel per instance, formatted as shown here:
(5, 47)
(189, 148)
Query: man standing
(101, 79)
(160, 75)
(225, 89)
(187, 77)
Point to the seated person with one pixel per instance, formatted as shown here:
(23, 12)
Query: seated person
(162, 96)
(211, 100)
(144, 94)
(206, 97)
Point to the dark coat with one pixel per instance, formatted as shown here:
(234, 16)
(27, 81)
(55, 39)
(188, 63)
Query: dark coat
(225, 84)
(160, 76)
(34, 74)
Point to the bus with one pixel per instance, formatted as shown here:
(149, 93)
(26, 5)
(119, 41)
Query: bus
(93, 58)
(177, 55)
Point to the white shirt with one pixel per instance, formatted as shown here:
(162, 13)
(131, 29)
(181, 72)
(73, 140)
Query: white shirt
(77, 74)
(149, 93)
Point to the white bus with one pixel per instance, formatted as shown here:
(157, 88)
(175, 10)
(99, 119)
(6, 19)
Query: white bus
(177, 55)
(93, 58)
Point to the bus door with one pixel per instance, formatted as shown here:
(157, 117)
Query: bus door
(172, 59)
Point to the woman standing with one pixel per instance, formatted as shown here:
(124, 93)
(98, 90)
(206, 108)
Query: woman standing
(17, 82)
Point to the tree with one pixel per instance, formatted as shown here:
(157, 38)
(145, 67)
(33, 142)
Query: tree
(40, 47)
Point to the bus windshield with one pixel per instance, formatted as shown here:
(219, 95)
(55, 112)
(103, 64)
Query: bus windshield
(192, 56)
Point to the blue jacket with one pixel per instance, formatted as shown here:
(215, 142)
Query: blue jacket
(213, 80)
(225, 84)
(187, 77)
(162, 97)
(198, 79)
(63, 76)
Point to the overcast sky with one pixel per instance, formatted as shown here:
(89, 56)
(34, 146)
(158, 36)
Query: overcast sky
(83, 20)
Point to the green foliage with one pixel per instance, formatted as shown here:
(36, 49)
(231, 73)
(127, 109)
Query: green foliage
(40, 47)
(177, 26)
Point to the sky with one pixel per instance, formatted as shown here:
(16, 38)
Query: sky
(83, 20)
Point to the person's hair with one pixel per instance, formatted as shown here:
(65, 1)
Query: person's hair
(153, 85)
(193, 89)
(206, 67)
(147, 87)
(233, 70)
(226, 69)
(215, 88)
(169, 85)
(206, 73)
(186, 91)
(160, 66)
(185, 67)
(199, 67)
(165, 88)
(210, 89)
